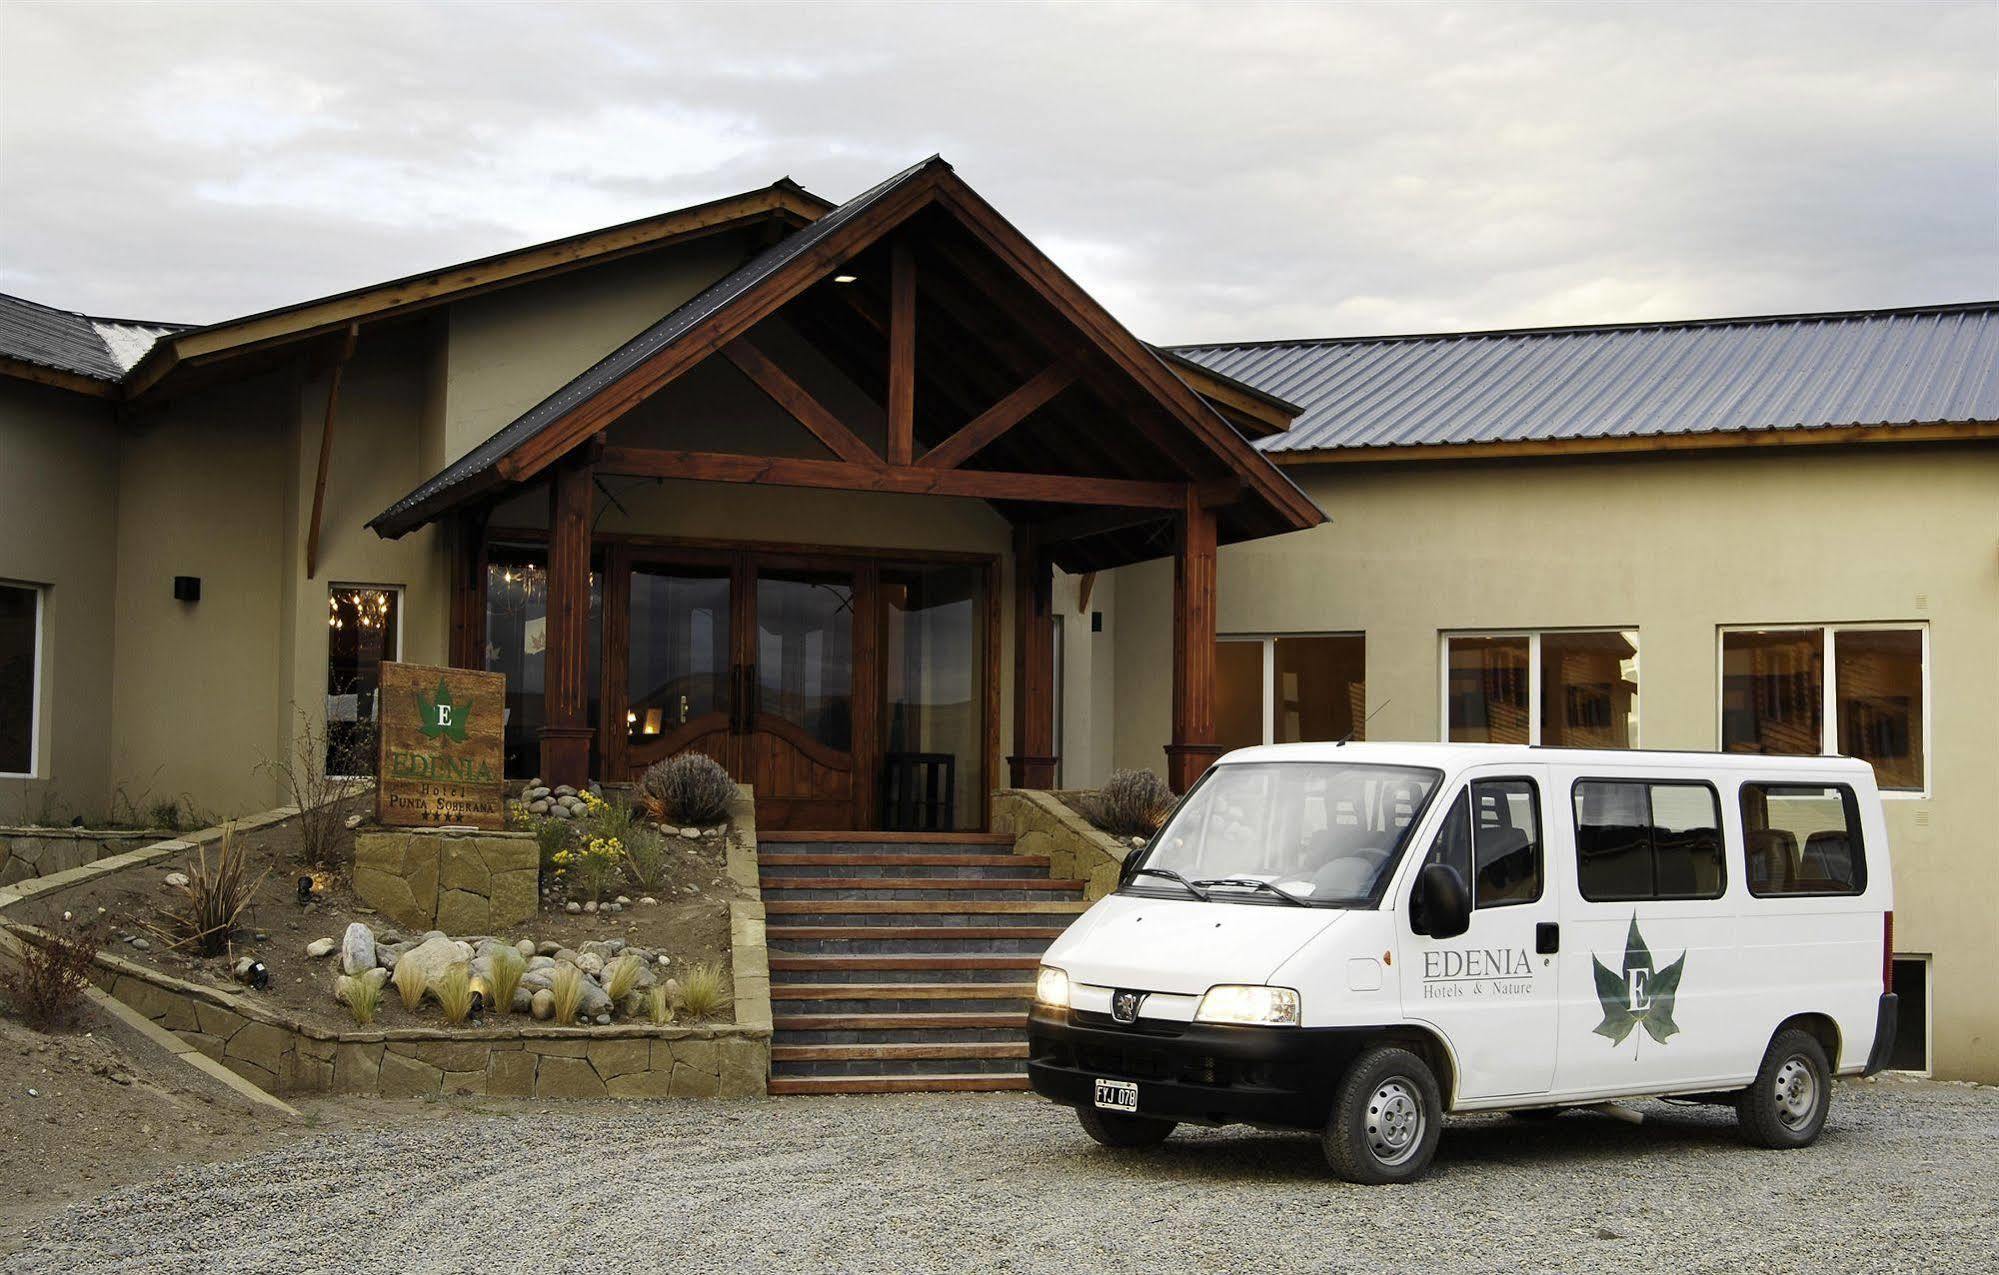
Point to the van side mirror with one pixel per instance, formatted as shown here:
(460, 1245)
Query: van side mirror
(1441, 906)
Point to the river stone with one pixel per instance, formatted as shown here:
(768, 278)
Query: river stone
(523, 1001)
(357, 949)
(542, 1004)
(525, 947)
(590, 963)
(320, 947)
(435, 955)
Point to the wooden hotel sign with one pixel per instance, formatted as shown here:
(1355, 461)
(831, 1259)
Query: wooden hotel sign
(438, 760)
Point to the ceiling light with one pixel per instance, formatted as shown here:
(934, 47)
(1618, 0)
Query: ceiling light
(846, 278)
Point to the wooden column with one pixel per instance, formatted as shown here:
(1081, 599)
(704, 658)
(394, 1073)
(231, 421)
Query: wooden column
(468, 590)
(1033, 760)
(565, 737)
(1193, 748)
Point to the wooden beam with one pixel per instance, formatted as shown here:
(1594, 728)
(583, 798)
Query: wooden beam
(703, 339)
(910, 480)
(1084, 587)
(326, 450)
(1094, 522)
(1033, 761)
(22, 370)
(1193, 747)
(565, 736)
(1624, 444)
(999, 418)
(402, 296)
(795, 399)
(901, 355)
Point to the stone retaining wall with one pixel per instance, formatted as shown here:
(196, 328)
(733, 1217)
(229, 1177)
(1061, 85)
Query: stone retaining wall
(1041, 823)
(26, 853)
(524, 1060)
(456, 881)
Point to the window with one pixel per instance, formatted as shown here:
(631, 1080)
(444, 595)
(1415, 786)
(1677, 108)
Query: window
(1777, 698)
(517, 645)
(1284, 690)
(1647, 839)
(364, 628)
(1571, 688)
(20, 676)
(1802, 839)
(1495, 824)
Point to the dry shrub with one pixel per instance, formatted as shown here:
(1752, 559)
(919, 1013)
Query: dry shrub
(454, 992)
(622, 976)
(363, 997)
(412, 981)
(316, 787)
(508, 966)
(45, 978)
(704, 989)
(216, 897)
(689, 789)
(568, 991)
(1132, 803)
(659, 1006)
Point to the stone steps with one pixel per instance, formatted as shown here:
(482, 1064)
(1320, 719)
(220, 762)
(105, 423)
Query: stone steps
(928, 1082)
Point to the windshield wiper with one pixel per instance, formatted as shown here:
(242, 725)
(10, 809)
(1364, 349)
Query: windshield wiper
(1176, 878)
(1253, 883)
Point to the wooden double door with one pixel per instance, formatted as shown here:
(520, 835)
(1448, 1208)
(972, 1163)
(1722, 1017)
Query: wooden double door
(833, 684)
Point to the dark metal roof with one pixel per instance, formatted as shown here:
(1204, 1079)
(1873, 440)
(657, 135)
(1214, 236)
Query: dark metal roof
(481, 459)
(101, 349)
(1929, 364)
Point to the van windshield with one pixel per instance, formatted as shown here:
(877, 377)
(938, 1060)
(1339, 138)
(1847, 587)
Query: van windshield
(1325, 833)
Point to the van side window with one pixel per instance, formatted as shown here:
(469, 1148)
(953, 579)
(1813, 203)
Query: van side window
(1494, 824)
(1802, 839)
(1647, 839)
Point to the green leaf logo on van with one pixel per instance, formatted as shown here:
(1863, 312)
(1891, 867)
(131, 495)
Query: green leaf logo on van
(1639, 993)
(440, 717)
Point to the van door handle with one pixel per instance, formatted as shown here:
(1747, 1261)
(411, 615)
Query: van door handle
(1547, 938)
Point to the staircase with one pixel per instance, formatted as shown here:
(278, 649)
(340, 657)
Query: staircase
(904, 965)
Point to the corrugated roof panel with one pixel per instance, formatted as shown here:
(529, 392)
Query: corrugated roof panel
(101, 349)
(1882, 367)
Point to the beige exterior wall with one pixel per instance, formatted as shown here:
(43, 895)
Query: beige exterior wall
(1675, 546)
(59, 530)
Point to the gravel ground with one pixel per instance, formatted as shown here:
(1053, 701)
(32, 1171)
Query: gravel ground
(1906, 1178)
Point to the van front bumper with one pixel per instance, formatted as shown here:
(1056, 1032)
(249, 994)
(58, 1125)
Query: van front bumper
(1196, 1073)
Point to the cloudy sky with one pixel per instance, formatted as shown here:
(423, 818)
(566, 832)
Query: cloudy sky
(1210, 172)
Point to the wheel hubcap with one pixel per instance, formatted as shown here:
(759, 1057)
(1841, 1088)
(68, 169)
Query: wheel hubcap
(1797, 1092)
(1394, 1121)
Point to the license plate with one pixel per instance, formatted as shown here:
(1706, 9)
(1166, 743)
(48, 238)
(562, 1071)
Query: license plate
(1117, 1095)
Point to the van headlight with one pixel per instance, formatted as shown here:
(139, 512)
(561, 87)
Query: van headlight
(1051, 987)
(1263, 1006)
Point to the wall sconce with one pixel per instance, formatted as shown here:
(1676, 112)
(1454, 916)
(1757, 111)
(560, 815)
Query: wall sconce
(187, 588)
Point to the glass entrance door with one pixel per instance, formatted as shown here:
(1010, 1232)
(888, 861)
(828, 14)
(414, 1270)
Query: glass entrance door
(679, 656)
(798, 745)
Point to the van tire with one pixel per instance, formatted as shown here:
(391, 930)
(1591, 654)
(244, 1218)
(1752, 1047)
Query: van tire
(1786, 1105)
(1110, 1129)
(1387, 1117)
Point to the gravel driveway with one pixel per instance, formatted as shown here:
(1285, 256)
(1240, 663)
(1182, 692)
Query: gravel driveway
(1905, 1178)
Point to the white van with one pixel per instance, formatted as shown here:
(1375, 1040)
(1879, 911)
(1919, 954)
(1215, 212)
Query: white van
(1358, 938)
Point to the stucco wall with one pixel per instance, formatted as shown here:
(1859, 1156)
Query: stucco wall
(1674, 546)
(59, 529)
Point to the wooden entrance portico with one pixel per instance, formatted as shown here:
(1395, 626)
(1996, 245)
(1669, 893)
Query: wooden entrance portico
(980, 371)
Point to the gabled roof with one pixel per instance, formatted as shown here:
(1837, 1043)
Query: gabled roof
(1709, 381)
(531, 441)
(75, 351)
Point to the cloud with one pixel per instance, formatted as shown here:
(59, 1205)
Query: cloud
(1209, 171)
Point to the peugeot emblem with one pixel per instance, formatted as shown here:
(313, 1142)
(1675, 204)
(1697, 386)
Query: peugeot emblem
(1124, 1006)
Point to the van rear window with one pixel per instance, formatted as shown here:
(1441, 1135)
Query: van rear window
(1802, 839)
(1647, 839)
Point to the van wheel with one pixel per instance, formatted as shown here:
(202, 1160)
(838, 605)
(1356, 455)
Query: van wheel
(1387, 1117)
(1113, 1130)
(1786, 1105)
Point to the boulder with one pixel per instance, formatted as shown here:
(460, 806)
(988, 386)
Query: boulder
(357, 949)
(590, 963)
(320, 947)
(435, 955)
(523, 1001)
(525, 947)
(542, 1004)
(547, 947)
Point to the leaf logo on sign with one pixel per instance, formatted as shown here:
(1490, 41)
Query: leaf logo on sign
(440, 718)
(1639, 993)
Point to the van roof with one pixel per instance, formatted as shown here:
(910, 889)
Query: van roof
(1454, 757)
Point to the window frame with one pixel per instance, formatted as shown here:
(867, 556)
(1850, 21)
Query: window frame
(1533, 636)
(1268, 640)
(39, 673)
(1649, 782)
(1856, 829)
(1464, 793)
(1829, 691)
(397, 594)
